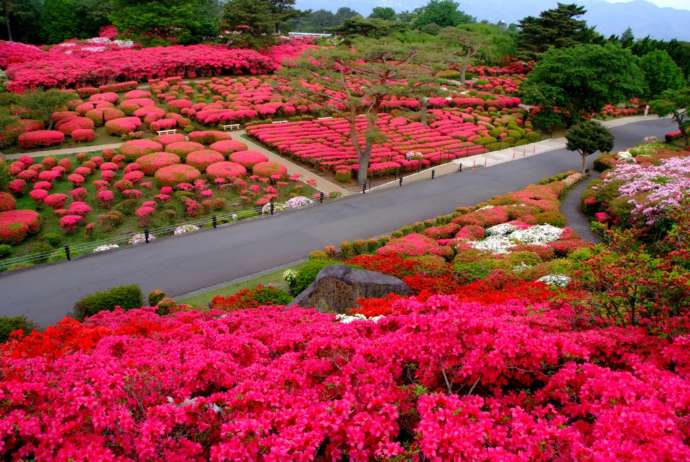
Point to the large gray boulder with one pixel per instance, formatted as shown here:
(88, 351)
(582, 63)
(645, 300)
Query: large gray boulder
(337, 288)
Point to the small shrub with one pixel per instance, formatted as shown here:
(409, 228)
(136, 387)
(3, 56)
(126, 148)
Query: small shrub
(9, 324)
(54, 239)
(467, 272)
(155, 296)
(306, 274)
(5, 250)
(126, 297)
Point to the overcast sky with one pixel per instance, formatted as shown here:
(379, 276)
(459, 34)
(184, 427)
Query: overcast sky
(682, 4)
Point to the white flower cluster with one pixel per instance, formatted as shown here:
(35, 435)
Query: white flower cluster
(347, 319)
(414, 155)
(501, 238)
(184, 229)
(298, 202)
(557, 280)
(289, 276)
(105, 248)
(266, 209)
(139, 238)
(625, 156)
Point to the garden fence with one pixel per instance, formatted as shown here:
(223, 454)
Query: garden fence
(72, 251)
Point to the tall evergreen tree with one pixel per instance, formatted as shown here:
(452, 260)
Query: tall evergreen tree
(555, 28)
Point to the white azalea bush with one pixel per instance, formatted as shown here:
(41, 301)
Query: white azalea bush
(140, 238)
(185, 229)
(105, 248)
(501, 238)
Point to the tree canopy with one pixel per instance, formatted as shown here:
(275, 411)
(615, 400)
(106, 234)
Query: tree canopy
(443, 13)
(555, 28)
(180, 21)
(574, 82)
(65, 19)
(588, 137)
(676, 103)
(383, 12)
(661, 73)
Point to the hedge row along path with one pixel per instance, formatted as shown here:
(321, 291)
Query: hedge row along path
(188, 263)
(322, 184)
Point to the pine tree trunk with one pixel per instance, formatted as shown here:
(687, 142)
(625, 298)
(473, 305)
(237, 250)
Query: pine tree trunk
(584, 163)
(424, 116)
(9, 26)
(463, 73)
(364, 157)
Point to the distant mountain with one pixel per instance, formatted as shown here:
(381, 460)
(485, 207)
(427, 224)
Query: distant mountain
(609, 18)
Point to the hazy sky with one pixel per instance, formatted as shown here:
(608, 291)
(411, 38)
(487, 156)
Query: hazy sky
(682, 4)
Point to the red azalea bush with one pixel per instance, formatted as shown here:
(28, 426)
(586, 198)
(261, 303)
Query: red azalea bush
(7, 201)
(413, 245)
(182, 148)
(228, 146)
(269, 169)
(15, 225)
(178, 173)
(208, 136)
(84, 135)
(150, 163)
(227, 170)
(202, 159)
(134, 149)
(122, 125)
(40, 138)
(248, 158)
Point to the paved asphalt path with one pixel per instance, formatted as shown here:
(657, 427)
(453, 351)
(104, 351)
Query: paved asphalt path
(184, 264)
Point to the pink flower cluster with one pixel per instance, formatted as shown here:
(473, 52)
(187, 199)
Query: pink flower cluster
(653, 190)
(451, 380)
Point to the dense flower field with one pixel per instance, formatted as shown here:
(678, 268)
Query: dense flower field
(446, 377)
(409, 145)
(100, 60)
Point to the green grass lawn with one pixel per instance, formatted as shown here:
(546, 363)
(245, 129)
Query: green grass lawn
(203, 298)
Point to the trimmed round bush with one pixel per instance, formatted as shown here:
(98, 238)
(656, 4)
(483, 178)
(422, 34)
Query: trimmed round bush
(7, 202)
(182, 148)
(209, 136)
(202, 159)
(134, 149)
(169, 139)
(76, 123)
(126, 297)
(122, 125)
(137, 94)
(102, 115)
(83, 135)
(248, 158)
(227, 147)
(178, 173)
(225, 170)
(40, 138)
(151, 163)
(268, 169)
(15, 225)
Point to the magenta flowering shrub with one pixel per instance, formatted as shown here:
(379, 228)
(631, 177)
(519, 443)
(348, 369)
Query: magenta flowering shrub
(177, 173)
(134, 149)
(56, 69)
(413, 245)
(448, 380)
(203, 158)
(40, 138)
(227, 170)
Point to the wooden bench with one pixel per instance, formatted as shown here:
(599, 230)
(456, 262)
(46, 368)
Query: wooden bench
(231, 127)
(167, 132)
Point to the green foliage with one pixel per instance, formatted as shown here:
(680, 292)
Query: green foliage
(5, 176)
(675, 102)
(678, 50)
(306, 274)
(588, 137)
(383, 12)
(54, 239)
(443, 13)
(65, 19)
(470, 271)
(358, 27)
(166, 21)
(661, 73)
(126, 297)
(499, 43)
(581, 80)
(5, 250)
(557, 28)
(267, 295)
(22, 20)
(321, 20)
(9, 324)
(40, 104)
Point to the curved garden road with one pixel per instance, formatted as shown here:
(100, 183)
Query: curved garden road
(181, 265)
